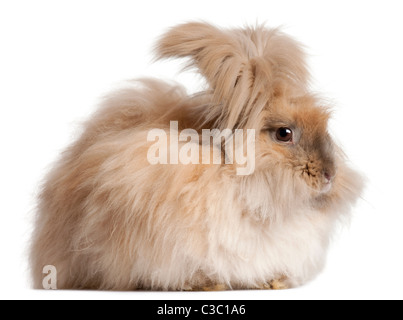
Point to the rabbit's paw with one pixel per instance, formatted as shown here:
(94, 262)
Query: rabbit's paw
(277, 284)
(280, 284)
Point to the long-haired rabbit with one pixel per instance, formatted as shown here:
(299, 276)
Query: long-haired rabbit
(109, 219)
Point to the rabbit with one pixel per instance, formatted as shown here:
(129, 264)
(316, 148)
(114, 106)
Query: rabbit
(107, 219)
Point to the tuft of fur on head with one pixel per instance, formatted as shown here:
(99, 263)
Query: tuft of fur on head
(107, 219)
(245, 68)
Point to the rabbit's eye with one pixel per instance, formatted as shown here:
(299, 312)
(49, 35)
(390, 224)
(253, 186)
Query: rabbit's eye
(284, 134)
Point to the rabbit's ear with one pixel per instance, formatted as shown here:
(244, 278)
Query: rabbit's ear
(214, 52)
(242, 67)
(219, 58)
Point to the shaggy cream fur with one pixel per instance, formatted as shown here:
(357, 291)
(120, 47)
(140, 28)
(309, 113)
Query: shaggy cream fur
(107, 219)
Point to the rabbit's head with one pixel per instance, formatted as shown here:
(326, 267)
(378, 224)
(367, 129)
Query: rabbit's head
(258, 80)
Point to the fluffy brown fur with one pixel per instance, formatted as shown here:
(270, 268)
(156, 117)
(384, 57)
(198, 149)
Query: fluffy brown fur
(107, 219)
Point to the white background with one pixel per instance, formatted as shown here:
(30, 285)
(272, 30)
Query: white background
(58, 57)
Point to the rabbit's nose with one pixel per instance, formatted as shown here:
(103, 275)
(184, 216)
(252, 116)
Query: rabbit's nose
(329, 175)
